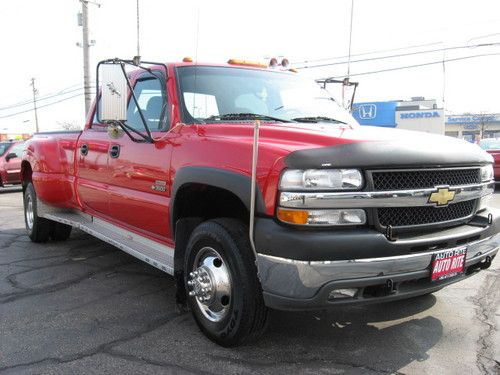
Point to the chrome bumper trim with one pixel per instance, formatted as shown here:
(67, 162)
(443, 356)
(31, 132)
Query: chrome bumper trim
(302, 279)
(368, 199)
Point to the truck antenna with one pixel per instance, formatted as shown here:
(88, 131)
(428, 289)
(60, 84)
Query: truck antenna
(350, 42)
(196, 59)
(349, 56)
(253, 187)
(138, 35)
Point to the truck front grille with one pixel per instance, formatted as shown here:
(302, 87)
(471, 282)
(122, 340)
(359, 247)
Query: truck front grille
(411, 216)
(422, 179)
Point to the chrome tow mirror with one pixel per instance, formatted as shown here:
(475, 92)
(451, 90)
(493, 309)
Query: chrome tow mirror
(114, 94)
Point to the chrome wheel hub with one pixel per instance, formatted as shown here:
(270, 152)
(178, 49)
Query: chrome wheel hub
(210, 284)
(29, 212)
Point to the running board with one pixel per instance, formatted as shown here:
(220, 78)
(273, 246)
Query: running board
(151, 252)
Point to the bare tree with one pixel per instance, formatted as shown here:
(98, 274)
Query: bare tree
(484, 120)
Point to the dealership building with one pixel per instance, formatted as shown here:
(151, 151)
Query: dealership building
(13, 137)
(424, 115)
(473, 127)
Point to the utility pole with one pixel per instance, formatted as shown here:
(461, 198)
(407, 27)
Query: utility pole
(85, 47)
(35, 92)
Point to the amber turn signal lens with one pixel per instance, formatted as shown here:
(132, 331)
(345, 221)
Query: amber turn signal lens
(293, 216)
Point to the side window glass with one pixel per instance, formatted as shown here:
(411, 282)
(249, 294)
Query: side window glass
(201, 105)
(94, 119)
(152, 101)
(18, 150)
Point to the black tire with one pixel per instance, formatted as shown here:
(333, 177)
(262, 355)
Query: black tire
(246, 315)
(37, 227)
(60, 231)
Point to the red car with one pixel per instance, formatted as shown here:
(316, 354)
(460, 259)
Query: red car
(10, 162)
(492, 146)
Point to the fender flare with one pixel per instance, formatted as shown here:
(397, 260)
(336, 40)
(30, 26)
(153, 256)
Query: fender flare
(236, 183)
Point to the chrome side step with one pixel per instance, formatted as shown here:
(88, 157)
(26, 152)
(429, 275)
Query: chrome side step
(151, 252)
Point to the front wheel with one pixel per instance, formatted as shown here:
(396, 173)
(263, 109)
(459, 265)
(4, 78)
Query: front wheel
(224, 293)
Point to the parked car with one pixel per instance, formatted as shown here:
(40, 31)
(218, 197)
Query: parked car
(256, 190)
(492, 147)
(10, 162)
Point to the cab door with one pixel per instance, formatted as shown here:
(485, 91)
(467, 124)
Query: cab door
(139, 190)
(93, 171)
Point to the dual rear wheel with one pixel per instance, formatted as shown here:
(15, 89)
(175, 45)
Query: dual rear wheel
(40, 229)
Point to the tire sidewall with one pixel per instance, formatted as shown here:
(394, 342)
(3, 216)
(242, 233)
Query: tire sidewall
(209, 235)
(30, 192)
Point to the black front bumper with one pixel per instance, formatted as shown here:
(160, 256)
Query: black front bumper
(306, 244)
(299, 270)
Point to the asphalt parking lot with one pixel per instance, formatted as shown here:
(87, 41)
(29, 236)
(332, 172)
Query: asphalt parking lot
(83, 306)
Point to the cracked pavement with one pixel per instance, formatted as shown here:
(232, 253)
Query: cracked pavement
(84, 307)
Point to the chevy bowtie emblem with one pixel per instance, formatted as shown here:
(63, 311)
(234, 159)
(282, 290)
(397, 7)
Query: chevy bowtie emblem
(442, 196)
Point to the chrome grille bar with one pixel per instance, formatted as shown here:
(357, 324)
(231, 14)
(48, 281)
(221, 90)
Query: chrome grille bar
(370, 199)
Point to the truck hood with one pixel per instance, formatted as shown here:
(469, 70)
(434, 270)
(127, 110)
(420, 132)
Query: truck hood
(326, 145)
(323, 145)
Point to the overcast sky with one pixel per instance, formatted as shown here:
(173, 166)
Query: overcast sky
(39, 40)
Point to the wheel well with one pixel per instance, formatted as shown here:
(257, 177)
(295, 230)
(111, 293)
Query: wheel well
(26, 173)
(195, 203)
(207, 202)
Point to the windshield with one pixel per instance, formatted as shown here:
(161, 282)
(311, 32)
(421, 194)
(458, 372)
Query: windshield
(490, 144)
(211, 93)
(4, 146)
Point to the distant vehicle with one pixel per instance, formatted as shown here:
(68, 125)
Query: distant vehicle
(492, 146)
(10, 162)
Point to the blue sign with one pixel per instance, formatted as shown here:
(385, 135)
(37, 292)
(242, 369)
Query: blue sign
(419, 114)
(472, 119)
(376, 113)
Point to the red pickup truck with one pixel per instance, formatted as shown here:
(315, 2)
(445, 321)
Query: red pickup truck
(255, 190)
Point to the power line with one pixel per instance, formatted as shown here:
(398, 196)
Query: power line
(48, 96)
(402, 55)
(367, 53)
(420, 65)
(42, 106)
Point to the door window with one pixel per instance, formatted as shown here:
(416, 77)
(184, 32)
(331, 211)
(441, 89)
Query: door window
(17, 149)
(152, 101)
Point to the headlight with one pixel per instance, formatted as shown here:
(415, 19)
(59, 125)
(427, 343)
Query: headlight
(487, 173)
(322, 217)
(321, 179)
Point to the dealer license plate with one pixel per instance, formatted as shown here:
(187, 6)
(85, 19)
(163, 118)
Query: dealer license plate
(448, 263)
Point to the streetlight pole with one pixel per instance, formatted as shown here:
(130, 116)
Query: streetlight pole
(35, 92)
(85, 47)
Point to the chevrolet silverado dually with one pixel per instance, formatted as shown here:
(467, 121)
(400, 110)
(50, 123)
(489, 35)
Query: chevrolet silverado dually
(256, 190)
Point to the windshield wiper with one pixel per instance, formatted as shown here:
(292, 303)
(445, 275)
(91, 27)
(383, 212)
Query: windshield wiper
(243, 116)
(318, 119)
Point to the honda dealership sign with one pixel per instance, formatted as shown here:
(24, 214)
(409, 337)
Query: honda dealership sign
(376, 113)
